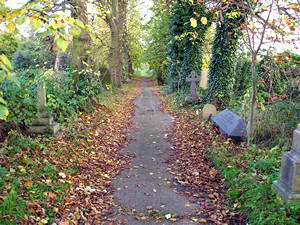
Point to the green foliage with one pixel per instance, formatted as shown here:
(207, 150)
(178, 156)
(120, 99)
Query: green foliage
(185, 42)
(249, 174)
(34, 51)
(6, 73)
(277, 77)
(220, 83)
(276, 123)
(64, 98)
(157, 38)
(13, 190)
(8, 44)
(241, 76)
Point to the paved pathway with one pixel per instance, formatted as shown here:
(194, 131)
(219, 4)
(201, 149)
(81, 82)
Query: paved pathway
(147, 181)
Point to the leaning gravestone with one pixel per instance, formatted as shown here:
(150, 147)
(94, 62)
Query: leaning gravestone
(230, 124)
(193, 78)
(44, 122)
(288, 187)
(208, 111)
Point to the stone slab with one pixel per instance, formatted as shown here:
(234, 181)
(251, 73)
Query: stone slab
(49, 129)
(230, 124)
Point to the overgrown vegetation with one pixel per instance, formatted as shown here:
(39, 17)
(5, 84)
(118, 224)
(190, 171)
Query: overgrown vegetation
(249, 174)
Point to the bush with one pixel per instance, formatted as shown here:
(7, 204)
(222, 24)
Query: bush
(38, 51)
(249, 174)
(22, 59)
(241, 76)
(64, 98)
(276, 123)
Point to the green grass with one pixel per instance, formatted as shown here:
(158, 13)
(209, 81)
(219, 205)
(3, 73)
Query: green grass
(249, 174)
(143, 73)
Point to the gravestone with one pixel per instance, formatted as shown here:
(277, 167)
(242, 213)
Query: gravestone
(44, 122)
(204, 79)
(193, 78)
(288, 187)
(230, 124)
(207, 111)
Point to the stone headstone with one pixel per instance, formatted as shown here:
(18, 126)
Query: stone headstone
(230, 124)
(204, 79)
(193, 78)
(207, 111)
(288, 187)
(43, 123)
(41, 99)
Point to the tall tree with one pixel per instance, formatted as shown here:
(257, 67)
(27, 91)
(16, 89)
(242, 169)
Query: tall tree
(114, 12)
(226, 43)
(81, 42)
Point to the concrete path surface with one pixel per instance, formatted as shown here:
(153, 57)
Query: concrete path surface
(147, 183)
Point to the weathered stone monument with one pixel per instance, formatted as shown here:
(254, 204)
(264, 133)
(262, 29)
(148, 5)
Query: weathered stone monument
(288, 187)
(44, 122)
(208, 111)
(204, 79)
(230, 124)
(193, 78)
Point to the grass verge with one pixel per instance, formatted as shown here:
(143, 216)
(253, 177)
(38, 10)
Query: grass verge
(248, 172)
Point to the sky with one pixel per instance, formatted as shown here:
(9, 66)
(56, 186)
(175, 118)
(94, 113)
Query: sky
(144, 9)
(14, 3)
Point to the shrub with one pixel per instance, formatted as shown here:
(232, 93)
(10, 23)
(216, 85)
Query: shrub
(276, 123)
(241, 76)
(22, 59)
(64, 98)
(249, 174)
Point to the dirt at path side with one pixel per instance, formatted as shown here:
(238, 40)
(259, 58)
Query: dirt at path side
(146, 185)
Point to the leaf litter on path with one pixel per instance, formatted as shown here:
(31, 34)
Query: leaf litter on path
(194, 172)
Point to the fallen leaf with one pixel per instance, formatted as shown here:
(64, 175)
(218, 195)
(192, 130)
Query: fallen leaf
(202, 221)
(28, 183)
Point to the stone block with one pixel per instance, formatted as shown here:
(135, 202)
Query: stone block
(288, 186)
(44, 129)
(296, 140)
(43, 121)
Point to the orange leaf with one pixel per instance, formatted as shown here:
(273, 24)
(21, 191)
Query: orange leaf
(28, 183)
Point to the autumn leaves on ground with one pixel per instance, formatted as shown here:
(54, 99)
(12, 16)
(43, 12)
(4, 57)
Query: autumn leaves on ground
(67, 180)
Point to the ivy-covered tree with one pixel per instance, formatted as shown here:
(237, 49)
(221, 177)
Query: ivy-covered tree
(221, 69)
(188, 25)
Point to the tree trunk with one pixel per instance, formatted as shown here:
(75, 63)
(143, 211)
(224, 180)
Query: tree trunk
(57, 64)
(127, 59)
(252, 101)
(116, 60)
(81, 43)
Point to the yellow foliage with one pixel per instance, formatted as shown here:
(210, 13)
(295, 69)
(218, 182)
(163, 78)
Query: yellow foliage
(193, 22)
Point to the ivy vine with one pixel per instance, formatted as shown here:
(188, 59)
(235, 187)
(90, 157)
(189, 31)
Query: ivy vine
(221, 69)
(185, 42)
